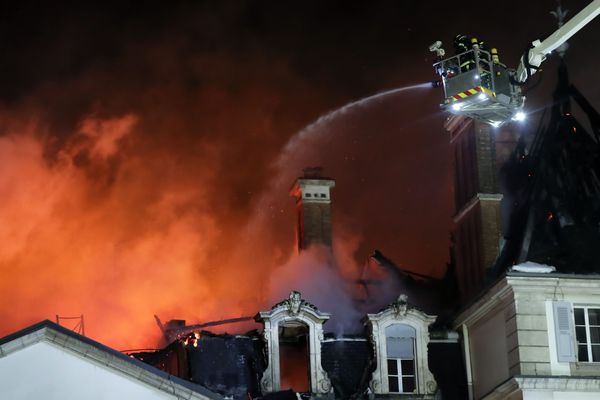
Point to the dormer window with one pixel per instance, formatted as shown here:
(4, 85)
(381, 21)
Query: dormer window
(400, 335)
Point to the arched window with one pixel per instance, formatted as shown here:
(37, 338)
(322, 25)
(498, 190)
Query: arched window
(400, 351)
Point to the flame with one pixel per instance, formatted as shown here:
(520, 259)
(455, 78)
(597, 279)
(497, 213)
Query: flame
(105, 231)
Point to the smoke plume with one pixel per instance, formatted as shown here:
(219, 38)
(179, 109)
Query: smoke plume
(140, 173)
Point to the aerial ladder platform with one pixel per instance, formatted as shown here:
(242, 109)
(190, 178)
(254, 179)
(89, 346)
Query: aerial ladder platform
(478, 86)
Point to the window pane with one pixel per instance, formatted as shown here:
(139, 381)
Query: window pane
(400, 331)
(581, 335)
(595, 335)
(393, 383)
(392, 367)
(594, 316)
(408, 385)
(408, 367)
(582, 352)
(400, 347)
(596, 353)
(579, 319)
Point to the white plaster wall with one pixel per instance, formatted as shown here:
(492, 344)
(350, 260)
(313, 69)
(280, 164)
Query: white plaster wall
(579, 292)
(489, 357)
(549, 395)
(42, 371)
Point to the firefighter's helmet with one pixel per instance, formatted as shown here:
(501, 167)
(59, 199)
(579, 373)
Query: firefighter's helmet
(460, 39)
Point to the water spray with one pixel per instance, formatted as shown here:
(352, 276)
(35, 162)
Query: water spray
(326, 118)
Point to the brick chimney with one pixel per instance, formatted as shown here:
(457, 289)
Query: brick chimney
(313, 207)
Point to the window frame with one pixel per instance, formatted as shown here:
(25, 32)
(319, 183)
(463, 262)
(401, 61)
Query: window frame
(588, 335)
(412, 337)
(400, 375)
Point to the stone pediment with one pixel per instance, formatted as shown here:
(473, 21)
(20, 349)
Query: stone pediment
(401, 307)
(292, 307)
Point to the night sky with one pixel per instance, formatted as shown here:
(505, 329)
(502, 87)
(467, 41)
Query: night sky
(142, 160)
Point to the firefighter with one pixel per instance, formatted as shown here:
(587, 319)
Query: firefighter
(480, 49)
(495, 57)
(483, 46)
(496, 62)
(461, 45)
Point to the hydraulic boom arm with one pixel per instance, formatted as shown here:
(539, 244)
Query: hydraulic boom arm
(531, 61)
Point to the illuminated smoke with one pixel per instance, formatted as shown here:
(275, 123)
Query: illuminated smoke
(81, 235)
(318, 275)
(152, 183)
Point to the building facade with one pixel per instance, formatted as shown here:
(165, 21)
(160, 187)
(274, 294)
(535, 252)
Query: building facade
(534, 336)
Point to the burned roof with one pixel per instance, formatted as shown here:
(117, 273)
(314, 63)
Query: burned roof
(429, 294)
(349, 364)
(554, 187)
(231, 365)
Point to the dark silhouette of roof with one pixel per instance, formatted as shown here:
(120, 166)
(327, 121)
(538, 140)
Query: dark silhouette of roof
(227, 364)
(554, 189)
(349, 364)
(431, 295)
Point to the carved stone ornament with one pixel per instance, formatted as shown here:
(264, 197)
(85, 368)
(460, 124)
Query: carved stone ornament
(431, 386)
(294, 302)
(400, 306)
(266, 334)
(325, 385)
(373, 339)
(265, 384)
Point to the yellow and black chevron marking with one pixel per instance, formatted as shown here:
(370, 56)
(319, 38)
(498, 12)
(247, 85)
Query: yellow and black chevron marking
(471, 92)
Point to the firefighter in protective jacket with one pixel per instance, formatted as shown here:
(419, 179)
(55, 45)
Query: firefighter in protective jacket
(461, 45)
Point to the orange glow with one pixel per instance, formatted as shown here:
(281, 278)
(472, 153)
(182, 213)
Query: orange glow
(128, 198)
(115, 228)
